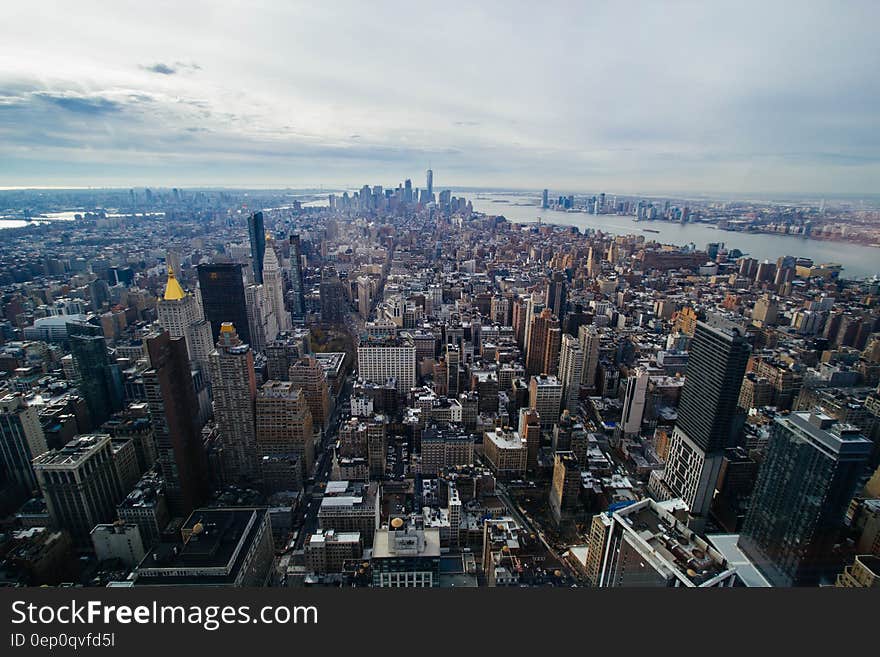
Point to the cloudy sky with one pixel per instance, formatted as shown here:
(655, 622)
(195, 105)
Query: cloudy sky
(624, 96)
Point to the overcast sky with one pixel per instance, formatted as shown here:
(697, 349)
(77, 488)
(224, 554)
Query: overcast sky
(622, 96)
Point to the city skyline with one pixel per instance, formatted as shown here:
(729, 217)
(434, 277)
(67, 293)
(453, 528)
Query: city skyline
(686, 98)
(627, 336)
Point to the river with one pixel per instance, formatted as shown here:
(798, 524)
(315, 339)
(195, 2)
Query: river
(858, 261)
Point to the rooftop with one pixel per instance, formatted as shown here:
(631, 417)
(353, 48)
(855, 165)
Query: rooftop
(506, 439)
(215, 545)
(678, 550)
(73, 453)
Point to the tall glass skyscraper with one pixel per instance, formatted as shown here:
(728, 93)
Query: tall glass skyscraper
(716, 365)
(798, 505)
(257, 233)
(223, 298)
(100, 381)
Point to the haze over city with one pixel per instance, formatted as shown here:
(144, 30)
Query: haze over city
(683, 97)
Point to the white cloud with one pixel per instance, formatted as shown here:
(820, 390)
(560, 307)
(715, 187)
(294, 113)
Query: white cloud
(635, 96)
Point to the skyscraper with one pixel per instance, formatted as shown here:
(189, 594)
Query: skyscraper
(262, 323)
(571, 371)
(565, 485)
(534, 304)
(333, 301)
(308, 376)
(257, 234)
(799, 502)
(21, 440)
(453, 370)
(99, 381)
(173, 406)
(284, 429)
(545, 338)
(274, 287)
(556, 298)
(707, 416)
(180, 315)
(545, 203)
(364, 296)
(383, 358)
(594, 263)
(429, 184)
(80, 485)
(588, 336)
(545, 396)
(297, 294)
(223, 298)
(234, 385)
(634, 401)
(529, 429)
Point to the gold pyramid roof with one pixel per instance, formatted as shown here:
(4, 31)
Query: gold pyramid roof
(173, 291)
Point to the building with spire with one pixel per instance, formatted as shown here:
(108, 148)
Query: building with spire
(180, 315)
(274, 288)
(262, 322)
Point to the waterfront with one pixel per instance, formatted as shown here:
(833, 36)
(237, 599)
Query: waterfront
(858, 261)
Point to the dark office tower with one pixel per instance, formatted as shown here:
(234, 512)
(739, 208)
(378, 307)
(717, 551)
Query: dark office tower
(556, 297)
(333, 302)
(798, 506)
(429, 179)
(298, 305)
(21, 440)
(257, 233)
(99, 381)
(719, 354)
(545, 203)
(173, 411)
(223, 298)
(407, 191)
(708, 420)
